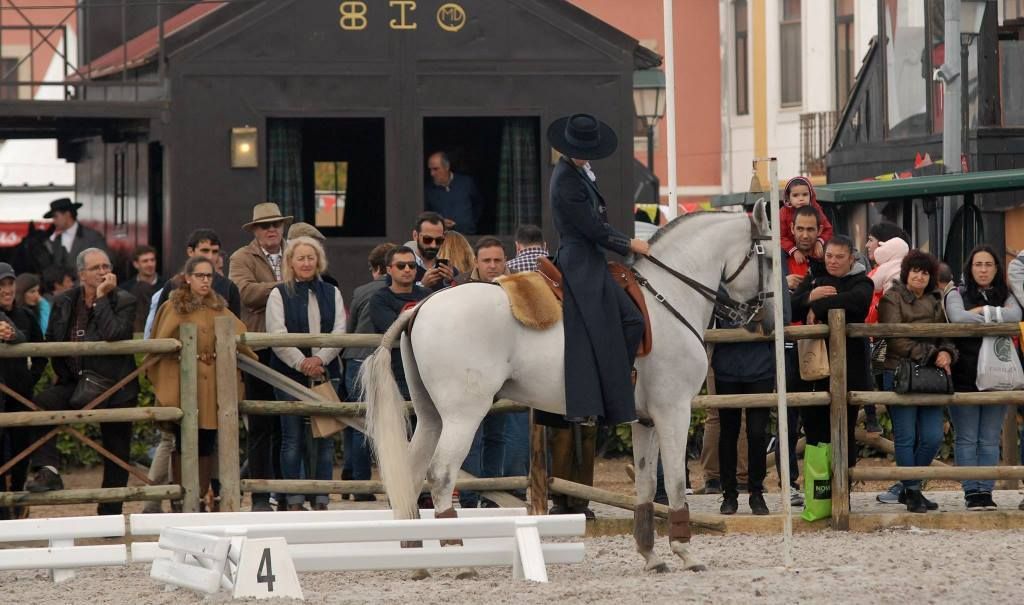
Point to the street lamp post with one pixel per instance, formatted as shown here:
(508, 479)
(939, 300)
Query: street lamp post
(649, 104)
(972, 12)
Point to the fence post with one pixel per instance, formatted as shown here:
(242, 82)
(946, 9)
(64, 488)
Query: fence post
(227, 414)
(538, 485)
(189, 445)
(839, 412)
(1010, 450)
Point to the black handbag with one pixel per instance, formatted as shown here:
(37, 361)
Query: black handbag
(90, 385)
(914, 377)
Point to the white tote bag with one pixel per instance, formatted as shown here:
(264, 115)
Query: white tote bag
(999, 367)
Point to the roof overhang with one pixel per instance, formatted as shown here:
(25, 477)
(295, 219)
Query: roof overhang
(57, 119)
(922, 186)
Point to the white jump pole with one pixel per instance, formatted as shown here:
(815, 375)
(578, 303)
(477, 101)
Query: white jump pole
(670, 111)
(780, 366)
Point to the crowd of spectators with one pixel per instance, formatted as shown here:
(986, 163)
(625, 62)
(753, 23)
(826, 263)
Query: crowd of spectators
(279, 283)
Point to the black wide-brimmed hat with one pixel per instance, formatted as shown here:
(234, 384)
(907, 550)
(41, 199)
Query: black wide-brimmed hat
(64, 204)
(583, 137)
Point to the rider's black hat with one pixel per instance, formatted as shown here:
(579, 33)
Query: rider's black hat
(583, 137)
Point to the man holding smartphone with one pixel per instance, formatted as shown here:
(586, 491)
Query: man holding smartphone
(429, 235)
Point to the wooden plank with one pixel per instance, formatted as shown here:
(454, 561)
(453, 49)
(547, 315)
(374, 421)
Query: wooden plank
(22, 530)
(343, 409)
(88, 349)
(92, 495)
(308, 486)
(153, 524)
(262, 340)
(586, 492)
(951, 473)
(289, 386)
(720, 335)
(538, 479)
(158, 414)
(383, 556)
(837, 418)
(189, 444)
(195, 543)
(889, 398)
(759, 400)
(227, 415)
(932, 330)
(549, 526)
(67, 557)
(187, 576)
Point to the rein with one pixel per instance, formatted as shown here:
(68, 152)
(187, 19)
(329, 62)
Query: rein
(726, 307)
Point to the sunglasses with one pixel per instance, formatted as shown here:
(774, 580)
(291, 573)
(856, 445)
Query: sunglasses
(401, 266)
(428, 240)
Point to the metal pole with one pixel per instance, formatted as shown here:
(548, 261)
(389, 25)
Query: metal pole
(965, 107)
(950, 110)
(780, 367)
(670, 111)
(656, 183)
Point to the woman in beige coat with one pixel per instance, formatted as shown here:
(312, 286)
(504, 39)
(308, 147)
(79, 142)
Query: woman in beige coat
(194, 302)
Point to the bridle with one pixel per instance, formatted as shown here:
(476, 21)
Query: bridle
(726, 308)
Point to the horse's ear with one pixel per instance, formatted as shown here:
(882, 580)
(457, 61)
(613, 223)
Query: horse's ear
(760, 215)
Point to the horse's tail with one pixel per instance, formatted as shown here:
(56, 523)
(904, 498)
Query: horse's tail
(387, 423)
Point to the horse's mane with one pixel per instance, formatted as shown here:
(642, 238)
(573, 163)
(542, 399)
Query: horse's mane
(679, 220)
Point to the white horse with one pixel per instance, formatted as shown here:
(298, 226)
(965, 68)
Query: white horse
(465, 349)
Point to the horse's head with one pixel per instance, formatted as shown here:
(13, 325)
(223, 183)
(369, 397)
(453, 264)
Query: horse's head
(747, 277)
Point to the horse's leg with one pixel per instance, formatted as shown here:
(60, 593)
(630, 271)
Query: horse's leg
(673, 425)
(452, 448)
(645, 463)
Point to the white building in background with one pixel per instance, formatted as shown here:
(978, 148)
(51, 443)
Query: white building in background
(31, 174)
(812, 52)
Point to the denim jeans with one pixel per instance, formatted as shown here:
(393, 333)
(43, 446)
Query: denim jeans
(357, 451)
(294, 441)
(517, 444)
(978, 430)
(916, 431)
(486, 456)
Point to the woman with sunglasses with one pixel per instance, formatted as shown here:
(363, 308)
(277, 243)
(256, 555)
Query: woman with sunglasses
(194, 302)
(984, 298)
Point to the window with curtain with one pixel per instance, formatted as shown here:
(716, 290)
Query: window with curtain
(905, 69)
(740, 51)
(845, 46)
(790, 62)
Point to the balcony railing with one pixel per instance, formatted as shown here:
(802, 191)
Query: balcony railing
(816, 132)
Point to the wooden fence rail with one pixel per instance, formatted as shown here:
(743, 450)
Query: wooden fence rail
(231, 406)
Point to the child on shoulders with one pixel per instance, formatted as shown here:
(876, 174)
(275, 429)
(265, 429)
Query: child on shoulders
(799, 192)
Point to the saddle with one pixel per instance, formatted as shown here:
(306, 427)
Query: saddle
(622, 275)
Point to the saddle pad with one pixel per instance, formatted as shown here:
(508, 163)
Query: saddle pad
(533, 303)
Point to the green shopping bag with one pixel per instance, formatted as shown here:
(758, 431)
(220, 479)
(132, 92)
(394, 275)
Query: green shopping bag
(817, 482)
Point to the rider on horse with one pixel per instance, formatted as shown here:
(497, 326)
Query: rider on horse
(603, 327)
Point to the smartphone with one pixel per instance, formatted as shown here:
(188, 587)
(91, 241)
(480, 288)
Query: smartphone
(443, 261)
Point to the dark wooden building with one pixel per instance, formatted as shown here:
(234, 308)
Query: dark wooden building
(345, 101)
(892, 124)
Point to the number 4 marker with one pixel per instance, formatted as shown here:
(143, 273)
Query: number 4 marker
(266, 570)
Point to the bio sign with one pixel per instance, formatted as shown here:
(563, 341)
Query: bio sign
(400, 14)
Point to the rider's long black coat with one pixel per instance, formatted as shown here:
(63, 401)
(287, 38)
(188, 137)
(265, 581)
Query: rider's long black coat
(602, 325)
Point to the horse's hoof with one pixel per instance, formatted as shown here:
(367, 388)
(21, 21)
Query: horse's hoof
(467, 574)
(420, 574)
(659, 568)
(697, 567)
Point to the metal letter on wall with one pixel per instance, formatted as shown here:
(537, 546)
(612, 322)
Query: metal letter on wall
(404, 6)
(451, 17)
(353, 15)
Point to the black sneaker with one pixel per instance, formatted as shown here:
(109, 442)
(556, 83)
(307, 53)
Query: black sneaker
(914, 501)
(974, 501)
(986, 501)
(365, 498)
(44, 480)
(729, 505)
(711, 486)
(757, 504)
